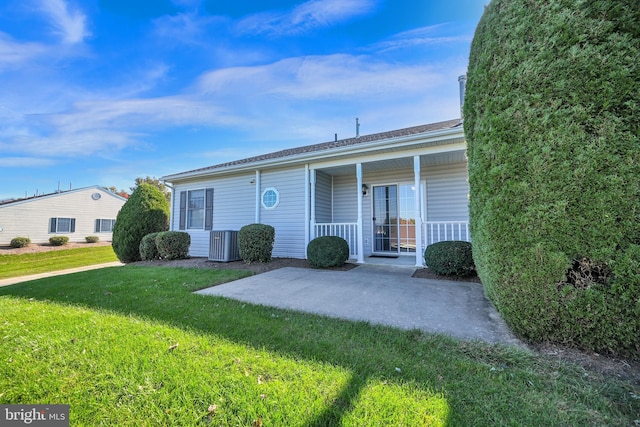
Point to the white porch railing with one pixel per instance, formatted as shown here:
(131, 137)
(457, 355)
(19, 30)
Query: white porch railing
(436, 231)
(347, 230)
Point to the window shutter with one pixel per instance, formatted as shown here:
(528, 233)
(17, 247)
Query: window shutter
(52, 225)
(208, 211)
(97, 230)
(183, 210)
(72, 227)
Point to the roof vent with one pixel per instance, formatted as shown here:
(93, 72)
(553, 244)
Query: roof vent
(357, 128)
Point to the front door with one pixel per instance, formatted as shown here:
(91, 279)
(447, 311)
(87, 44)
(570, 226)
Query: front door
(385, 219)
(394, 219)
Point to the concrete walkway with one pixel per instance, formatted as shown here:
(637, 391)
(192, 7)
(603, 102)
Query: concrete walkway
(377, 294)
(14, 280)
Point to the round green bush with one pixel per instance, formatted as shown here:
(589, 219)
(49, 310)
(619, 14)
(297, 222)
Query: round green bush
(255, 242)
(20, 242)
(450, 258)
(173, 244)
(148, 248)
(146, 211)
(92, 239)
(58, 240)
(327, 251)
(551, 121)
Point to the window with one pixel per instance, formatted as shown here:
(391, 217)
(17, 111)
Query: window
(62, 225)
(270, 198)
(105, 225)
(196, 209)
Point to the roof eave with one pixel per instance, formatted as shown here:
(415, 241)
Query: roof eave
(397, 142)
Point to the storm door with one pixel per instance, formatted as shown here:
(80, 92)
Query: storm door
(385, 219)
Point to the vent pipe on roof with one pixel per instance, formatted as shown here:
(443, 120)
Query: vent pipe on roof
(357, 128)
(335, 136)
(462, 80)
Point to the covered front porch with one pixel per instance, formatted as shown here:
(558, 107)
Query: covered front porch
(390, 209)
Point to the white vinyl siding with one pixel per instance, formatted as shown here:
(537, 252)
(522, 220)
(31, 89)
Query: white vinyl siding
(288, 217)
(233, 208)
(32, 217)
(323, 197)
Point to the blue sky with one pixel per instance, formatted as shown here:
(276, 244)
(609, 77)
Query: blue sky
(99, 92)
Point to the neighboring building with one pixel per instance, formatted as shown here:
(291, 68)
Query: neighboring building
(388, 194)
(89, 211)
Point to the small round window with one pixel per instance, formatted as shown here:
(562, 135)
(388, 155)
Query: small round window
(270, 198)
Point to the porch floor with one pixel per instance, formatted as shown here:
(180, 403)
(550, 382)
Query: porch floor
(400, 261)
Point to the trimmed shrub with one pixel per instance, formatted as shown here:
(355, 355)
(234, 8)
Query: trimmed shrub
(148, 248)
(255, 242)
(20, 242)
(327, 251)
(550, 118)
(146, 211)
(92, 239)
(173, 244)
(450, 258)
(58, 240)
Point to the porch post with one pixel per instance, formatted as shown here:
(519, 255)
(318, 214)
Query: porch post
(258, 197)
(418, 207)
(312, 226)
(360, 231)
(307, 218)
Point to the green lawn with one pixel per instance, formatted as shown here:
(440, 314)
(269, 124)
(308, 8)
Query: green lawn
(133, 346)
(43, 262)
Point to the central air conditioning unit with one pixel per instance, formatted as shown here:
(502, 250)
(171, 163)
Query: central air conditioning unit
(223, 246)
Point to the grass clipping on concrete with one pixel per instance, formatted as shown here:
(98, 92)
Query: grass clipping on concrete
(133, 346)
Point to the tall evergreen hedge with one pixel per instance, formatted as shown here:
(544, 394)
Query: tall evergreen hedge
(552, 116)
(146, 211)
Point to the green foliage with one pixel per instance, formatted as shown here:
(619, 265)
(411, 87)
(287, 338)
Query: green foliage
(551, 120)
(92, 239)
(20, 242)
(146, 211)
(148, 248)
(173, 244)
(327, 251)
(450, 258)
(255, 242)
(58, 240)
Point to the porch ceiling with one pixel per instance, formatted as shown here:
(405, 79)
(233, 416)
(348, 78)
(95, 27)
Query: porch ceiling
(399, 163)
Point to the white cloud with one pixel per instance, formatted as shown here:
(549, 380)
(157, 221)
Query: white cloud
(425, 36)
(305, 17)
(69, 23)
(321, 77)
(20, 162)
(14, 53)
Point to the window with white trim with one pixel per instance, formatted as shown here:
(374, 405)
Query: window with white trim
(104, 225)
(270, 198)
(195, 209)
(62, 225)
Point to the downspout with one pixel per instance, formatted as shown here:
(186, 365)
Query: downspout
(173, 195)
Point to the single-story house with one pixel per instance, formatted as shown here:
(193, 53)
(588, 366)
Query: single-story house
(89, 211)
(388, 194)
